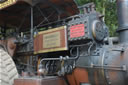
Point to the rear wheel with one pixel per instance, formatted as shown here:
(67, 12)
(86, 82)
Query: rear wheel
(8, 71)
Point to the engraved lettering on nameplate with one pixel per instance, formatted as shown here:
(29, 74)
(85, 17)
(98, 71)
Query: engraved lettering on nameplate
(51, 40)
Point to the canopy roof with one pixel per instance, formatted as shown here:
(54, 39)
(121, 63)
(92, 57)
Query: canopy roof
(17, 13)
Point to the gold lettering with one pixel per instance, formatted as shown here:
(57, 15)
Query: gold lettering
(51, 40)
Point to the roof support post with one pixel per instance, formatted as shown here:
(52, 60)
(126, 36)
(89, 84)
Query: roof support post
(32, 25)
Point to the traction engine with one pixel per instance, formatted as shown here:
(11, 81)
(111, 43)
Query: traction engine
(93, 58)
(76, 51)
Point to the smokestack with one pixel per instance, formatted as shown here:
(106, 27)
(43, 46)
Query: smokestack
(122, 10)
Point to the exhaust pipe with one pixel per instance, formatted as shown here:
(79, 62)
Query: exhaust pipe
(122, 10)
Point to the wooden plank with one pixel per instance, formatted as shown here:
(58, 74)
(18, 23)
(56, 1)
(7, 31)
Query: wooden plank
(40, 81)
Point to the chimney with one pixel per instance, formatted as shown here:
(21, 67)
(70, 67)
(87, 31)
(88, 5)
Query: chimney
(122, 10)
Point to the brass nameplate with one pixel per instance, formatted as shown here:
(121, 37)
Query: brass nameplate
(51, 40)
(7, 3)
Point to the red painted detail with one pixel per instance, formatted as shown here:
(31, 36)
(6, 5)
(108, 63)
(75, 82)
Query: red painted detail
(77, 31)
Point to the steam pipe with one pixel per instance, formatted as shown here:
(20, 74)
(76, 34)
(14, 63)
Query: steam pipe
(62, 58)
(122, 11)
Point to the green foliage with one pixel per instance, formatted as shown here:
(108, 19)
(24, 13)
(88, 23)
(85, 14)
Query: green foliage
(108, 9)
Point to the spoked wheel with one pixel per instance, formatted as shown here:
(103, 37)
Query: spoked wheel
(8, 71)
